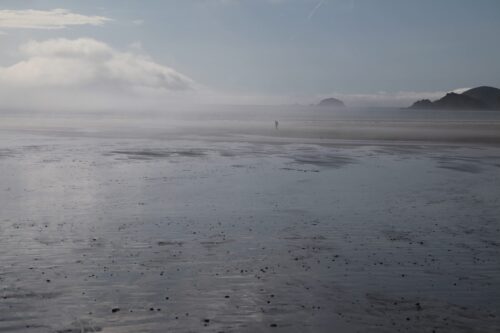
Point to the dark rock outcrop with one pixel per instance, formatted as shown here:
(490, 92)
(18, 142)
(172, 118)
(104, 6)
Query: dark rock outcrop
(488, 95)
(455, 101)
(331, 102)
(422, 104)
(480, 98)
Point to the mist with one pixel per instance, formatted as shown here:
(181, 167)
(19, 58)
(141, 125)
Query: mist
(249, 166)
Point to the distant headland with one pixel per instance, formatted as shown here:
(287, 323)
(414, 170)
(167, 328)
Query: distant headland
(480, 98)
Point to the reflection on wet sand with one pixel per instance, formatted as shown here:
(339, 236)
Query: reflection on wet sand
(107, 234)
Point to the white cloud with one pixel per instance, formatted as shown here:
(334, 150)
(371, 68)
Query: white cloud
(87, 62)
(461, 90)
(62, 72)
(46, 19)
(67, 48)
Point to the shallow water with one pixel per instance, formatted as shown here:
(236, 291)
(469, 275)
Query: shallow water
(103, 228)
(309, 124)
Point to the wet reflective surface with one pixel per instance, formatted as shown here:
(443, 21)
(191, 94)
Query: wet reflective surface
(133, 233)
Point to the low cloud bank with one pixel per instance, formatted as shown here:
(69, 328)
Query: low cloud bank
(85, 73)
(86, 62)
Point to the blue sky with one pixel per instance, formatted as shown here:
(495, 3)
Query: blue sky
(299, 49)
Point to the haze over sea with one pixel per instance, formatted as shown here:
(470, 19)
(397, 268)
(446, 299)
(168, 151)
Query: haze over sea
(296, 122)
(250, 166)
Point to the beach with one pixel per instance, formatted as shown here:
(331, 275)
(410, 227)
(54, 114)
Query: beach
(370, 221)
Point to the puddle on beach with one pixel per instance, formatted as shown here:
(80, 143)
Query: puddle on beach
(107, 235)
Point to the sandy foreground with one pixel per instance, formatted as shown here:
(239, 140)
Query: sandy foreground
(103, 232)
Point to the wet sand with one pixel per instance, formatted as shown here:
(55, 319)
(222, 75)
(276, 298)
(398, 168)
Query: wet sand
(119, 231)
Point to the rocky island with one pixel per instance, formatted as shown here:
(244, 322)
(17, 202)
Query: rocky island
(331, 102)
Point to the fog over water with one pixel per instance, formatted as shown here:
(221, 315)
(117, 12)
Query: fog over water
(308, 122)
(249, 166)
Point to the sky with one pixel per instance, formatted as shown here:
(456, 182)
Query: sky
(101, 53)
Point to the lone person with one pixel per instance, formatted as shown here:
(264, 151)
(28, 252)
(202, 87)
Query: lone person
(276, 124)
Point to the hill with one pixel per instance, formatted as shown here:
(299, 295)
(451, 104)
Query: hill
(480, 98)
(488, 95)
